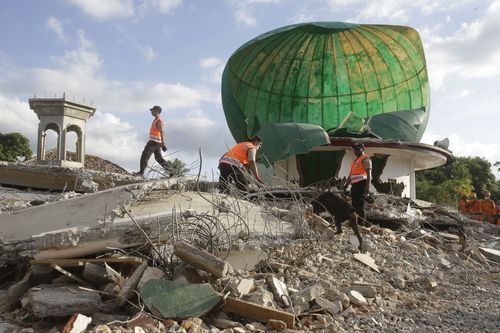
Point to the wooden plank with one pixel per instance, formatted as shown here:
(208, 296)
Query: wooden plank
(81, 262)
(257, 312)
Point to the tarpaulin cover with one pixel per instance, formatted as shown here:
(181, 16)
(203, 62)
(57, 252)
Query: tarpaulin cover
(169, 299)
(282, 140)
(331, 74)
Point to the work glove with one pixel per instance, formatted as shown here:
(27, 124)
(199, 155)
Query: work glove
(163, 147)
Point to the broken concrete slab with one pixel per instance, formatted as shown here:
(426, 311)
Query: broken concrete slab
(60, 301)
(366, 259)
(491, 254)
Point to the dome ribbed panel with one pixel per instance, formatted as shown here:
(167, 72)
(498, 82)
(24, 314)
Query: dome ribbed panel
(319, 73)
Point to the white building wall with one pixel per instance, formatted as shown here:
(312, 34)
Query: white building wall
(397, 168)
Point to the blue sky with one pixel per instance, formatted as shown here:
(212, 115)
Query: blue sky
(128, 55)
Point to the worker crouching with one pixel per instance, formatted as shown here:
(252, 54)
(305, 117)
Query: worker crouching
(233, 163)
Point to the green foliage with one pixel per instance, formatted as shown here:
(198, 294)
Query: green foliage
(14, 146)
(461, 175)
(447, 192)
(177, 167)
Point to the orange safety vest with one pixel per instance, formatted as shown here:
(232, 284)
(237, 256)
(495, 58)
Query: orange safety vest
(474, 206)
(154, 132)
(358, 171)
(488, 207)
(463, 206)
(238, 155)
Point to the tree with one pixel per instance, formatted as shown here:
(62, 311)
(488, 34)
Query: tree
(177, 167)
(14, 146)
(462, 175)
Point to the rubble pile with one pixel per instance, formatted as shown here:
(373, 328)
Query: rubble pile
(422, 277)
(92, 162)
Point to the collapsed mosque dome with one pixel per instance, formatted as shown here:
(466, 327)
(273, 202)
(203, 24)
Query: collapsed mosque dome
(350, 79)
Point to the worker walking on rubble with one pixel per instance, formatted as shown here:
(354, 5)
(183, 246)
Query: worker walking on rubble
(360, 179)
(232, 164)
(155, 144)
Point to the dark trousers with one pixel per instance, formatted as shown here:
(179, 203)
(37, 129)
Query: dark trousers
(357, 191)
(229, 174)
(150, 148)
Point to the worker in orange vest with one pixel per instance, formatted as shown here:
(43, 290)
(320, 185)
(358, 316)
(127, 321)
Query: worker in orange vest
(497, 217)
(463, 205)
(155, 144)
(359, 179)
(232, 164)
(475, 208)
(488, 208)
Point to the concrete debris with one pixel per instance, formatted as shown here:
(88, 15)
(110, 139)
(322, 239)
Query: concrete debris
(73, 263)
(59, 301)
(77, 323)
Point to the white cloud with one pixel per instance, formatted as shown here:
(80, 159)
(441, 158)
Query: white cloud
(210, 62)
(196, 129)
(464, 93)
(471, 52)
(56, 26)
(149, 53)
(212, 69)
(17, 118)
(107, 9)
(112, 138)
(245, 17)
(164, 6)
(244, 13)
(488, 150)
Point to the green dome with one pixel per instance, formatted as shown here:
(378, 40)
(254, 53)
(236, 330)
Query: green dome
(349, 79)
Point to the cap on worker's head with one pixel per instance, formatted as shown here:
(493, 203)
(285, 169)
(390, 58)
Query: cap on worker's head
(255, 138)
(155, 108)
(358, 145)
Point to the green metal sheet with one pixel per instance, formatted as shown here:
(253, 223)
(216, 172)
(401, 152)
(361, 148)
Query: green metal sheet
(323, 73)
(282, 140)
(170, 299)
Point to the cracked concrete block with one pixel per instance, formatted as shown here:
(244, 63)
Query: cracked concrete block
(366, 291)
(261, 297)
(312, 292)
(50, 301)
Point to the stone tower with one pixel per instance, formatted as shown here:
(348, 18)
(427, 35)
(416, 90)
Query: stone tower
(61, 116)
